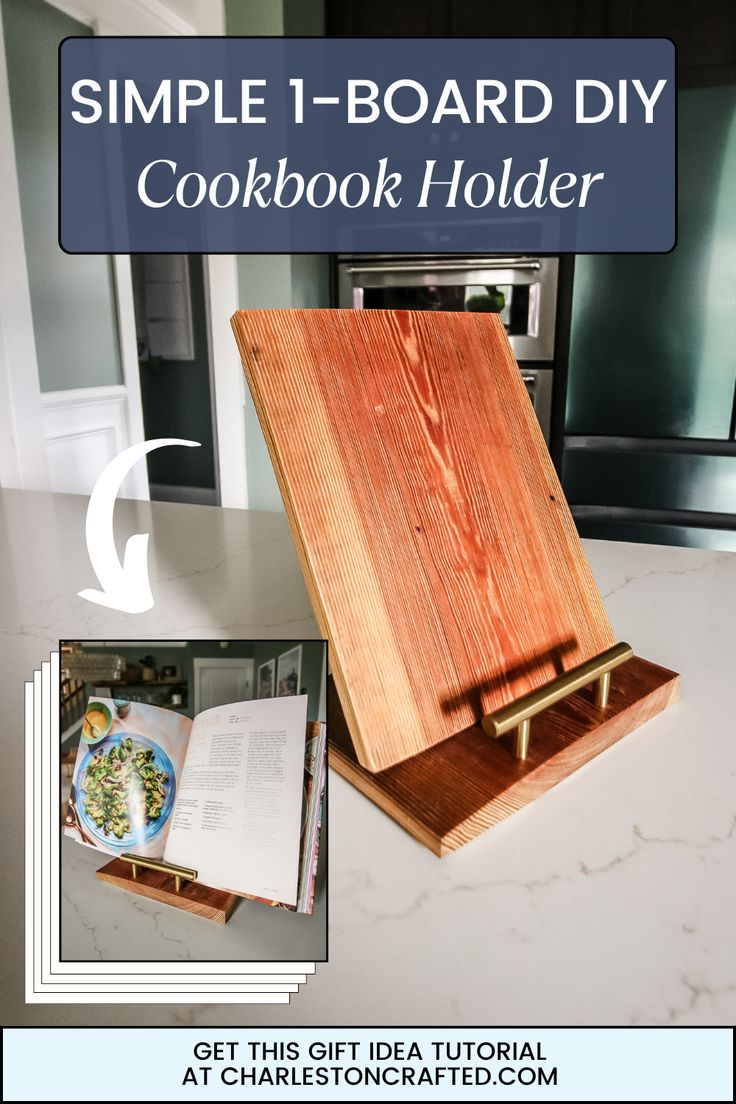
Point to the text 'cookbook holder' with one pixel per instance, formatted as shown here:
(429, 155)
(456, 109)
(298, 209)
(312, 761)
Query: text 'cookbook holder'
(442, 562)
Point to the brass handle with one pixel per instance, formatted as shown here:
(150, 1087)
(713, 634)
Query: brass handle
(179, 873)
(518, 714)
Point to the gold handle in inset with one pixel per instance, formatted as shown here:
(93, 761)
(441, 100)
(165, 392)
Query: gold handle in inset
(179, 873)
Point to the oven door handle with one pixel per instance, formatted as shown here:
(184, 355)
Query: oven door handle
(448, 266)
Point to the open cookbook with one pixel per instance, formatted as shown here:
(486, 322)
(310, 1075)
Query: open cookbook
(236, 794)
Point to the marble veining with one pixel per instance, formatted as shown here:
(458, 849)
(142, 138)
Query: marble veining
(608, 901)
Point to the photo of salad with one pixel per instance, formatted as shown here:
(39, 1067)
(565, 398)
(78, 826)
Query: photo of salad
(127, 789)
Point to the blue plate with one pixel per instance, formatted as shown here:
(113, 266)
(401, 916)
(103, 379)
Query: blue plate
(131, 839)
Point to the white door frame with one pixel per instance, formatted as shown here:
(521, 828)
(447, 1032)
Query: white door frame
(23, 461)
(227, 380)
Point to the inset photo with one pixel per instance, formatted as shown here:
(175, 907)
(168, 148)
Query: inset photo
(193, 776)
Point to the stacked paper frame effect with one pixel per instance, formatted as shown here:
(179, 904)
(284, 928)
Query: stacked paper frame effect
(48, 980)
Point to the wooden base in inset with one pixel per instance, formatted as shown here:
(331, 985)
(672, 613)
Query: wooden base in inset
(452, 792)
(212, 904)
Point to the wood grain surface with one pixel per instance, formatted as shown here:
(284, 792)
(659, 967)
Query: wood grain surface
(440, 555)
(202, 900)
(454, 791)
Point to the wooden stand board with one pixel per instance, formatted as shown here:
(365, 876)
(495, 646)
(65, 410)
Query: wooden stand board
(441, 558)
(212, 904)
(454, 791)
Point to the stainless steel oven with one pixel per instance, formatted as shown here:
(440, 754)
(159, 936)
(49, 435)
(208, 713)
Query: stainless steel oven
(522, 290)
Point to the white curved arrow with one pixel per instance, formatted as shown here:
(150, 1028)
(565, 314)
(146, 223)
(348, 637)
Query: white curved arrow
(125, 586)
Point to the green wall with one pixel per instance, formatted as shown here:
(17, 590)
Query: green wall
(275, 17)
(254, 17)
(282, 280)
(274, 281)
(72, 298)
(312, 667)
(260, 651)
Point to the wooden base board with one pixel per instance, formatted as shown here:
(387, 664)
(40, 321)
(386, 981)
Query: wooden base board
(212, 904)
(452, 792)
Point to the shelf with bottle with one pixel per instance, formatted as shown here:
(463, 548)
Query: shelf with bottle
(168, 695)
(151, 682)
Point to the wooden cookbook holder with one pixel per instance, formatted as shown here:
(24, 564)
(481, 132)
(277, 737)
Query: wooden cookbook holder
(442, 562)
(171, 885)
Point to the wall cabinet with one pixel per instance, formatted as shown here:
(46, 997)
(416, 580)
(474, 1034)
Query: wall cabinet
(652, 372)
(703, 33)
(650, 417)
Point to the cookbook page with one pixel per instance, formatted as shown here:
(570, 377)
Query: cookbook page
(237, 820)
(128, 766)
(315, 766)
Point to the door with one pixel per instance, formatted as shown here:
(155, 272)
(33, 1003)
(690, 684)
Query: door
(70, 390)
(221, 682)
(172, 324)
(67, 322)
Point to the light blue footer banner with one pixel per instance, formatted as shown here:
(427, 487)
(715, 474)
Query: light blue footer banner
(368, 1064)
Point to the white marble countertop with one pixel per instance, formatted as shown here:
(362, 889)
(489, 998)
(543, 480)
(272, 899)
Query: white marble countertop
(608, 901)
(102, 923)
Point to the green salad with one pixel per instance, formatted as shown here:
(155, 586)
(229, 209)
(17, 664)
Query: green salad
(124, 788)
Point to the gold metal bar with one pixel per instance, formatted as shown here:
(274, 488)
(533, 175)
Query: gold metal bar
(522, 738)
(518, 713)
(602, 690)
(179, 873)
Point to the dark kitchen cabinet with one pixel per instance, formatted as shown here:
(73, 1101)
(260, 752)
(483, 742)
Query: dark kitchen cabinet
(387, 17)
(649, 429)
(653, 345)
(703, 33)
(650, 447)
(666, 484)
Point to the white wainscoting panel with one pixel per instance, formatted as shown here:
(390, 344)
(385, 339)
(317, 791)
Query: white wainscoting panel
(84, 429)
